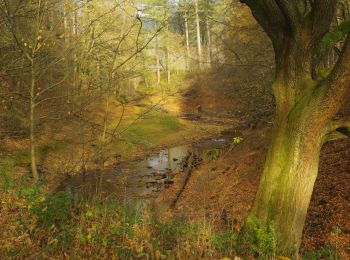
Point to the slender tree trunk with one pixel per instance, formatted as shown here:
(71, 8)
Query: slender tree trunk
(105, 121)
(187, 42)
(104, 134)
(168, 65)
(168, 59)
(199, 44)
(33, 160)
(209, 43)
(114, 69)
(75, 60)
(157, 61)
(99, 76)
(32, 96)
(67, 38)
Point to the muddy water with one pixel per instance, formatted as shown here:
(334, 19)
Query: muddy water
(143, 178)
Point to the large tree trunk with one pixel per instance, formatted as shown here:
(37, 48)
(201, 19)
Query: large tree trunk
(289, 175)
(303, 123)
(306, 106)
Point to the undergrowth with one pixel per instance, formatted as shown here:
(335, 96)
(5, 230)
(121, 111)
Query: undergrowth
(258, 238)
(58, 225)
(55, 226)
(323, 253)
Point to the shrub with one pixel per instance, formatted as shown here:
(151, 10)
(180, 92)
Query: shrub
(169, 233)
(55, 209)
(31, 193)
(258, 238)
(12, 124)
(212, 154)
(226, 242)
(237, 140)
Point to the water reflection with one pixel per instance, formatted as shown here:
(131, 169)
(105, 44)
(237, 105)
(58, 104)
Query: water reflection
(140, 179)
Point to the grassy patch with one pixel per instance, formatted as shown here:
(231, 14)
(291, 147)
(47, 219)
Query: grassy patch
(323, 253)
(6, 168)
(152, 128)
(41, 153)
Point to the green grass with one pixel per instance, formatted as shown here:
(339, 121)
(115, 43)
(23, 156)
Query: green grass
(9, 161)
(152, 128)
(323, 253)
(6, 167)
(23, 157)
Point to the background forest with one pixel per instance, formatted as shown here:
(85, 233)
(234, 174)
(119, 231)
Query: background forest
(59, 58)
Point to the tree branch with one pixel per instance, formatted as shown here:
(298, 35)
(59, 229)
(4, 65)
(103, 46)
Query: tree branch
(290, 11)
(321, 17)
(338, 129)
(269, 16)
(330, 39)
(341, 123)
(339, 79)
(336, 135)
(331, 94)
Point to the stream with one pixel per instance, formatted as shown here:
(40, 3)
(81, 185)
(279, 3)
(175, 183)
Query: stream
(141, 179)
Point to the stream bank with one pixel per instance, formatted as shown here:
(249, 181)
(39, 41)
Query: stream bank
(143, 178)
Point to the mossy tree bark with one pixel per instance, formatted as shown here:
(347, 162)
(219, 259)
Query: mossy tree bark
(305, 109)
